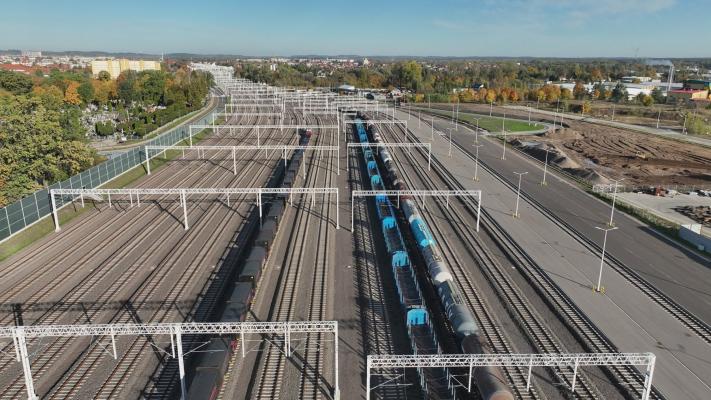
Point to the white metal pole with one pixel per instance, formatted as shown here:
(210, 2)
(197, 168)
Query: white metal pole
(471, 370)
(648, 378)
(518, 191)
(545, 168)
(148, 161)
(478, 212)
(26, 368)
(476, 163)
(185, 208)
(234, 160)
(54, 211)
(352, 216)
(109, 196)
(367, 380)
(338, 218)
(113, 343)
(658, 117)
(337, 389)
(575, 375)
(528, 378)
(450, 142)
(602, 256)
(614, 198)
(429, 158)
(181, 362)
(503, 155)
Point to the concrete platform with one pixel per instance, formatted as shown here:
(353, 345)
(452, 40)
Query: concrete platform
(631, 320)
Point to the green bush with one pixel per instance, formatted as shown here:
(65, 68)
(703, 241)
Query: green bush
(104, 128)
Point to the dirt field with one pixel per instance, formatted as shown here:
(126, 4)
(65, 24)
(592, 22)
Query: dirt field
(601, 153)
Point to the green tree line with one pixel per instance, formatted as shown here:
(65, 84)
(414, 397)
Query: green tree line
(42, 139)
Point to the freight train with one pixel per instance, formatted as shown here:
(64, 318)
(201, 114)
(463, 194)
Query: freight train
(490, 381)
(210, 367)
(423, 339)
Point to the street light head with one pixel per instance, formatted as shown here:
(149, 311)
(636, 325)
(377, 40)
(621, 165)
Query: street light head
(606, 229)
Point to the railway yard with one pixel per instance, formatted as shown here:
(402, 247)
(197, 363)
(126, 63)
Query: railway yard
(307, 245)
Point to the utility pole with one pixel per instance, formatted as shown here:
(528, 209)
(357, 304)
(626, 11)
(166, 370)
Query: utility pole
(518, 192)
(476, 162)
(598, 288)
(614, 198)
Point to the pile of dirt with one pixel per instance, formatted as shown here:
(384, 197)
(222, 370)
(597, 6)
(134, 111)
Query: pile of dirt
(700, 214)
(559, 158)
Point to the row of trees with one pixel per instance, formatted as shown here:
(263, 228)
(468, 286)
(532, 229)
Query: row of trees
(42, 138)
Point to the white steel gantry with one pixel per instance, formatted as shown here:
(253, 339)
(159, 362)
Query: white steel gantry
(418, 193)
(529, 361)
(183, 193)
(409, 146)
(285, 148)
(20, 334)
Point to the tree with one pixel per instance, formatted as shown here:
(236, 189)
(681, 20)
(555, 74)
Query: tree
(566, 94)
(579, 91)
(104, 76)
(36, 148)
(126, 86)
(15, 83)
(658, 95)
(71, 94)
(86, 92)
(619, 93)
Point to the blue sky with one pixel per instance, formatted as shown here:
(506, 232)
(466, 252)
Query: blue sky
(558, 28)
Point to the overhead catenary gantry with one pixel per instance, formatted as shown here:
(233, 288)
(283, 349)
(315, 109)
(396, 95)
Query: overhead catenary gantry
(418, 194)
(285, 148)
(182, 194)
(20, 334)
(471, 361)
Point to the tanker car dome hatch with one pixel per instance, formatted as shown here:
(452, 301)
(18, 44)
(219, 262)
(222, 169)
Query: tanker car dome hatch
(417, 316)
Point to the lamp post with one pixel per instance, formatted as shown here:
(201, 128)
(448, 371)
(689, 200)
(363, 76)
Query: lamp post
(545, 167)
(476, 162)
(432, 132)
(450, 141)
(518, 192)
(614, 198)
(476, 132)
(659, 115)
(503, 155)
(598, 288)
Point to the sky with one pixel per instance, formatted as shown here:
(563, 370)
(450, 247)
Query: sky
(482, 28)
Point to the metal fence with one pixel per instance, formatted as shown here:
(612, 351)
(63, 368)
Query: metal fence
(23, 213)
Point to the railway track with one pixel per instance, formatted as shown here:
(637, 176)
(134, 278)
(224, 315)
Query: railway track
(627, 377)
(496, 337)
(676, 310)
(137, 349)
(271, 372)
(540, 336)
(107, 295)
(377, 337)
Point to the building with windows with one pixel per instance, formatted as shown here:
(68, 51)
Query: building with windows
(115, 67)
